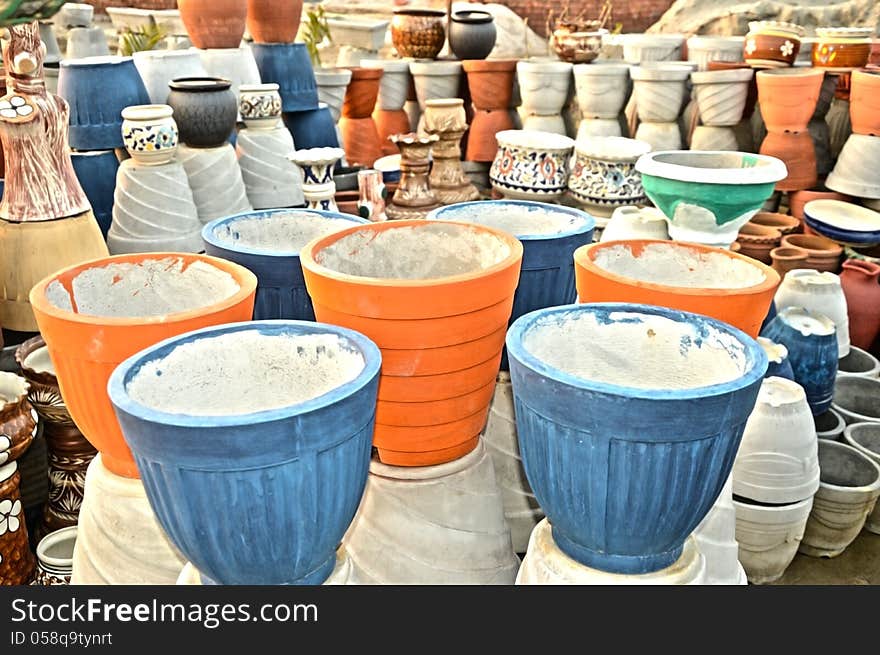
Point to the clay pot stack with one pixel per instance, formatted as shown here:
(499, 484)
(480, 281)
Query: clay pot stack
(491, 89)
(360, 138)
(389, 114)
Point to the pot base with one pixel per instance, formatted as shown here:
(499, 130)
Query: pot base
(716, 538)
(215, 179)
(598, 127)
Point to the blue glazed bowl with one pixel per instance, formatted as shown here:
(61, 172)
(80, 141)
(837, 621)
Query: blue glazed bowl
(258, 498)
(313, 128)
(546, 278)
(843, 222)
(97, 90)
(96, 172)
(625, 473)
(288, 65)
(811, 341)
(281, 289)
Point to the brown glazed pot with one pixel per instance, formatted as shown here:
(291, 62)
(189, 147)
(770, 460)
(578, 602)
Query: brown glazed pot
(799, 154)
(859, 280)
(490, 82)
(788, 258)
(768, 50)
(17, 562)
(822, 254)
(783, 222)
(418, 33)
(797, 200)
(18, 420)
(362, 92)
(274, 21)
(214, 23)
(756, 241)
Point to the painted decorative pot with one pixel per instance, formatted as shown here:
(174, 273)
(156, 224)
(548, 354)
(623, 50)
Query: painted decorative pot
(471, 34)
(842, 49)
(865, 437)
(860, 363)
(772, 44)
(292, 381)
(274, 21)
(821, 293)
(17, 563)
(769, 536)
(600, 478)
(55, 557)
(788, 97)
(602, 89)
(96, 171)
(603, 173)
(812, 350)
(158, 67)
(205, 109)
(268, 244)
(288, 65)
(96, 118)
(579, 46)
(685, 276)
(439, 322)
(823, 254)
(214, 23)
(313, 128)
(259, 105)
(543, 86)
(857, 399)
(777, 355)
(111, 323)
(149, 133)
(859, 280)
(418, 33)
(531, 165)
(18, 420)
(708, 196)
(864, 105)
(549, 234)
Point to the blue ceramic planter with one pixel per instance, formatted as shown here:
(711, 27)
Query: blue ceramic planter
(96, 116)
(811, 340)
(625, 474)
(261, 498)
(313, 128)
(96, 172)
(281, 289)
(288, 65)
(546, 278)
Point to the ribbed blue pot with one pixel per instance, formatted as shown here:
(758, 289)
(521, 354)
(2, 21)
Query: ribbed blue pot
(313, 128)
(96, 172)
(260, 498)
(281, 289)
(97, 90)
(624, 474)
(546, 278)
(813, 357)
(288, 65)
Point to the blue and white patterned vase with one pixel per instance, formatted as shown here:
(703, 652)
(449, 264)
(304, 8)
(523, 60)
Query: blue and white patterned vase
(317, 166)
(531, 165)
(149, 133)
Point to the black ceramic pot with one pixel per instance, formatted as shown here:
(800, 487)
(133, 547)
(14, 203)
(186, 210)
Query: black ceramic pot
(472, 34)
(205, 109)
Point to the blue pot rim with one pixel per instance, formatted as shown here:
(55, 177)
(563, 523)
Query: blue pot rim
(755, 354)
(589, 221)
(208, 229)
(848, 237)
(123, 373)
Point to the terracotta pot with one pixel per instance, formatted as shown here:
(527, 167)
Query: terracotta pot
(797, 200)
(441, 334)
(783, 222)
(17, 562)
(361, 141)
(214, 23)
(788, 97)
(482, 143)
(490, 82)
(18, 420)
(418, 33)
(274, 21)
(798, 152)
(388, 122)
(859, 280)
(788, 258)
(601, 277)
(822, 254)
(864, 103)
(362, 92)
(756, 241)
(85, 348)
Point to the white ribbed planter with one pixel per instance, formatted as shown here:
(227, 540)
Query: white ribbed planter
(153, 211)
(270, 179)
(847, 495)
(602, 89)
(859, 363)
(778, 460)
(235, 64)
(703, 49)
(119, 540)
(332, 85)
(435, 79)
(854, 173)
(394, 85)
(543, 86)
(638, 48)
(659, 91)
(820, 293)
(546, 564)
(591, 127)
(215, 179)
(634, 223)
(865, 437)
(769, 537)
(521, 508)
(716, 539)
(85, 42)
(158, 67)
(714, 139)
(433, 525)
(661, 136)
(721, 95)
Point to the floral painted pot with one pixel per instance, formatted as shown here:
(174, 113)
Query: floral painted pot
(856, 399)
(708, 196)
(471, 34)
(685, 276)
(603, 173)
(864, 106)
(842, 49)
(812, 350)
(439, 321)
(150, 134)
(55, 557)
(823, 254)
(214, 23)
(843, 222)
(418, 33)
(788, 97)
(268, 244)
(865, 437)
(600, 478)
(259, 105)
(18, 562)
(772, 44)
(798, 152)
(821, 293)
(88, 340)
(859, 280)
(18, 419)
(531, 165)
(308, 479)
(274, 21)
(205, 109)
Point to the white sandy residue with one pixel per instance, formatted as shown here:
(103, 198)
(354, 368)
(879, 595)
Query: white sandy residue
(284, 232)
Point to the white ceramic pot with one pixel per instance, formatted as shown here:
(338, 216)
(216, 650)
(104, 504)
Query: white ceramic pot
(777, 461)
(660, 136)
(638, 48)
(703, 49)
(634, 223)
(536, 123)
(85, 42)
(74, 14)
(721, 95)
(602, 89)
(859, 363)
(259, 106)
(435, 79)
(270, 180)
(332, 85)
(590, 127)
(715, 139)
(234, 64)
(543, 86)
(169, 21)
(820, 293)
(158, 67)
(659, 91)
(847, 495)
(55, 557)
(854, 173)
(47, 36)
(769, 536)
(216, 182)
(364, 33)
(531, 165)
(857, 399)
(829, 425)
(149, 133)
(865, 437)
(130, 18)
(603, 173)
(716, 539)
(394, 85)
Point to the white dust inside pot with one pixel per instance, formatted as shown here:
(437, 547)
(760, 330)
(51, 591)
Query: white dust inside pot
(244, 372)
(12, 387)
(150, 287)
(38, 361)
(519, 220)
(285, 232)
(678, 266)
(634, 350)
(429, 250)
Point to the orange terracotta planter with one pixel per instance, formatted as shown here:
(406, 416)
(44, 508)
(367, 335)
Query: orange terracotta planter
(743, 307)
(274, 21)
(798, 152)
(783, 222)
(214, 23)
(362, 92)
(797, 200)
(361, 141)
(482, 144)
(85, 349)
(490, 82)
(388, 122)
(864, 102)
(788, 97)
(441, 341)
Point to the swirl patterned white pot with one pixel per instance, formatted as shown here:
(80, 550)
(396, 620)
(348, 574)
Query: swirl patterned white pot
(603, 173)
(531, 165)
